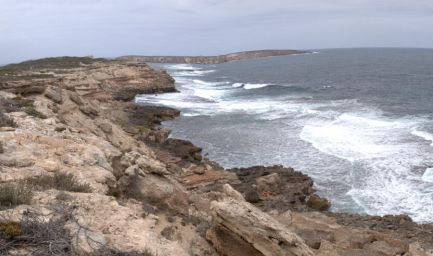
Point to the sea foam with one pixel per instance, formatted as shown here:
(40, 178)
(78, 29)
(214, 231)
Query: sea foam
(425, 135)
(428, 175)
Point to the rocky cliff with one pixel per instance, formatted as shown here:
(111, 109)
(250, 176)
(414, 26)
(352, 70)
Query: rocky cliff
(211, 59)
(84, 171)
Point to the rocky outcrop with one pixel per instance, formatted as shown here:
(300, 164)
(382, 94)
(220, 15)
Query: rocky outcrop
(146, 192)
(211, 59)
(241, 229)
(274, 188)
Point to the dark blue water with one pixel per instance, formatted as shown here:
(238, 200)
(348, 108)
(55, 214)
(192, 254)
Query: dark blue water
(359, 121)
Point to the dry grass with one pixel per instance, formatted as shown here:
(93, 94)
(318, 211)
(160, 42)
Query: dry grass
(59, 181)
(12, 194)
(41, 235)
(35, 234)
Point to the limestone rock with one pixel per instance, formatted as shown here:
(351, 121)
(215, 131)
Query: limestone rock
(273, 187)
(89, 110)
(54, 94)
(151, 166)
(268, 186)
(75, 97)
(415, 249)
(231, 192)
(262, 234)
(106, 127)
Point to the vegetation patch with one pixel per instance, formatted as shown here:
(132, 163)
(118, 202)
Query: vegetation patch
(10, 230)
(59, 181)
(12, 194)
(6, 121)
(49, 63)
(115, 252)
(60, 129)
(21, 104)
(31, 111)
(36, 235)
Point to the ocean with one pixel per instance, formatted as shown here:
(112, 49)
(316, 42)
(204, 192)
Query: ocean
(358, 121)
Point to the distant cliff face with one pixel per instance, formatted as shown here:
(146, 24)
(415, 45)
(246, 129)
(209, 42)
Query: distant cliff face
(211, 59)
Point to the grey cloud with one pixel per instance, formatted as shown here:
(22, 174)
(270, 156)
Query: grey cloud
(38, 28)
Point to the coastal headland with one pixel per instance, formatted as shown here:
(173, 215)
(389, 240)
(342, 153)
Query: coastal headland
(97, 174)
(211, 59)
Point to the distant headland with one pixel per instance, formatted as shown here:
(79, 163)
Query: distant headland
(211, 59)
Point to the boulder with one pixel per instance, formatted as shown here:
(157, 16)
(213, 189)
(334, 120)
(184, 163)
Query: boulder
(268, 186)
(89, 110)
(106, 127)
(54, 94)
(150, 165)
(75, 97)
(183, 149)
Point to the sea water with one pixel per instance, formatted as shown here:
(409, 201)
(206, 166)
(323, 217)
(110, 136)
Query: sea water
(358, 121)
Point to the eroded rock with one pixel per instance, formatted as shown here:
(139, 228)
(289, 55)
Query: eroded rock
(262, 235)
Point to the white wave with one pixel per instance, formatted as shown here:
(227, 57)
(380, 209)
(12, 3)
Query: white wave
(201, 82)
(425, 135)
(254, 86)
(208, 93)
(192, 73)
(249, 86)
(388, 187)
(428, 175)
(181, 67)
(190, 114)
(383, 156)
(350, 137)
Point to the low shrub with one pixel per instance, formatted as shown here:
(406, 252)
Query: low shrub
(60, 129)
(12, 194)
(9, 230)
(36, 235)
(59, 181)
(21, 104)
(6, 121)
(31, 111)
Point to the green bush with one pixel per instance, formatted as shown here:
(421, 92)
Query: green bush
(12, 194)
(59, 181)
(31, 111)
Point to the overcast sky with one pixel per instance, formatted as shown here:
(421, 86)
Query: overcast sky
(39, 28)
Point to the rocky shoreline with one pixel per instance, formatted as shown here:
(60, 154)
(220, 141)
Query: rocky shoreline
(140, 192)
